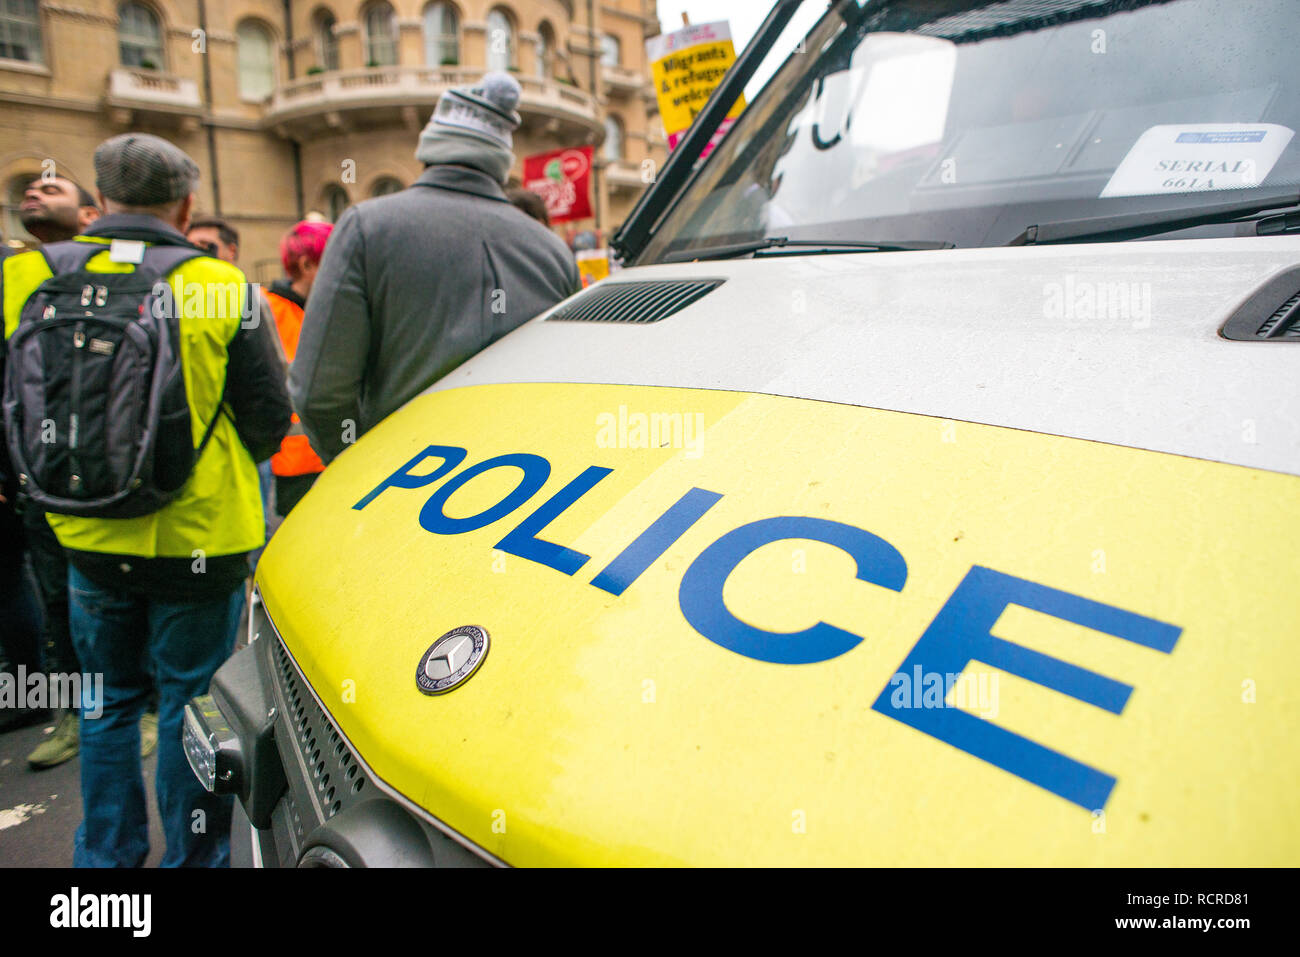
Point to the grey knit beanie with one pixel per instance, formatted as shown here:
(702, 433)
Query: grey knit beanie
(472, 126)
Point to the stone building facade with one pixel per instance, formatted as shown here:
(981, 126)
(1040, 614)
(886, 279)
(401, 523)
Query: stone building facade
(295, 106)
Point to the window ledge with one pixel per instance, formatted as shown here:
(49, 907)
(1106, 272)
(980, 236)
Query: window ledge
(25, 66)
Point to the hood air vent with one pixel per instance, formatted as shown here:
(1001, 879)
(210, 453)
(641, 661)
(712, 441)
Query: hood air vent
(1271, 314)
(648, 300)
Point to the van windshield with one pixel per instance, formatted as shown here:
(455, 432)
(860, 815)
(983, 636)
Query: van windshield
(959, 122)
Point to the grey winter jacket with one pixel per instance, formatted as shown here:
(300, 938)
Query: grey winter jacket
(410, 286)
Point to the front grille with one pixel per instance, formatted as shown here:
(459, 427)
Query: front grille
(328, 777)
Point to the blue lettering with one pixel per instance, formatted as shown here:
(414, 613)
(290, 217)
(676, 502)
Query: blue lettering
(451, 457)
(523, 540)
(535, 468)
(960, 633)
(701, 601)
(628, 566)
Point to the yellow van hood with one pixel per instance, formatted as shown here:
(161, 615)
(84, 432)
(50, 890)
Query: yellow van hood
(1031, 649)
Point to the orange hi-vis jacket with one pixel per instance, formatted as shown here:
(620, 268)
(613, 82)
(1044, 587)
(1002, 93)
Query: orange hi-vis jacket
(295, 456)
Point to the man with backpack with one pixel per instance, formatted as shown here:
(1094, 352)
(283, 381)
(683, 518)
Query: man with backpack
(55, 209)
(140, 389)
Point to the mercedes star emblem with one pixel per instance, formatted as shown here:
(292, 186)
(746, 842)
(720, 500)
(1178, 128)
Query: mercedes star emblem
(452, 659)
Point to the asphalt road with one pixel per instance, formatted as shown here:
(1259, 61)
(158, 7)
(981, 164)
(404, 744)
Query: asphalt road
(40, 810)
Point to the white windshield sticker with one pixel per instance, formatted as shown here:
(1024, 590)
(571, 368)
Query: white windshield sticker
(1203, 156)
(923, 66)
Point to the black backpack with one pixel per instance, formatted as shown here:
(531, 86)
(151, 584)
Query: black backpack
(95, 410)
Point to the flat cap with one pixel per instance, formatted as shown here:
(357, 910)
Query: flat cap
(139, 169)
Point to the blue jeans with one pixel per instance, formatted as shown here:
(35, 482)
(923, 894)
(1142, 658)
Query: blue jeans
(21, 627)
(266, 482)
(125, 638)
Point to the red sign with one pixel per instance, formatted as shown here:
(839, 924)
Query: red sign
(563, 179)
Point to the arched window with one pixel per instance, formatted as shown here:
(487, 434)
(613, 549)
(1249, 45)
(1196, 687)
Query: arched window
(381, 35)
(613, 139)
(441, 40)
(336, 201)
(611, 51)
(256, 54)
(139, 37)
(20, 31)
(500, 40)
(327, 44)
(386, 185)
(545, 51)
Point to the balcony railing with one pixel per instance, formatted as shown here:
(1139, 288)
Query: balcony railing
(624, 174)
(346, 90)
(149, 90)
(622, 80)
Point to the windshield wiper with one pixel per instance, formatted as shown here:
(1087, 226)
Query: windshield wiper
(732, 250)
(1137, 225)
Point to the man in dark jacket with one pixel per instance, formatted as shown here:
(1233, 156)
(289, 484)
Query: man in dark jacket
(414, 283)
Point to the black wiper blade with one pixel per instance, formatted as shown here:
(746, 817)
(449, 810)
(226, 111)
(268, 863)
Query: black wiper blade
(732, 250)
(1137, 225)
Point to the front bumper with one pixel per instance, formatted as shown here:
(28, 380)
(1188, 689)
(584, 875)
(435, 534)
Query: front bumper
(262, 735)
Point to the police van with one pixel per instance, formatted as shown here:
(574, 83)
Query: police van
(923, 491)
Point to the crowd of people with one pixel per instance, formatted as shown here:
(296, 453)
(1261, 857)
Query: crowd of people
(126, 549)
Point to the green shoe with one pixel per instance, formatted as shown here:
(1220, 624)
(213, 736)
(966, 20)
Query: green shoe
(148, 733)
(62, 745)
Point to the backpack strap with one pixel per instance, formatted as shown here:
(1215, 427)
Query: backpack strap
(159, 261)
(71, 256)
(212, 426)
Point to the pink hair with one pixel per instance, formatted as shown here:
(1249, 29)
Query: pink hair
(305, 239)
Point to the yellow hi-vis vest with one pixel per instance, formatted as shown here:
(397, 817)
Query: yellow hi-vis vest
(219, 509)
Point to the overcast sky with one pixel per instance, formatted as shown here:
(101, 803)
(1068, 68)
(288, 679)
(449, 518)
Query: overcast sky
(745, 15)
